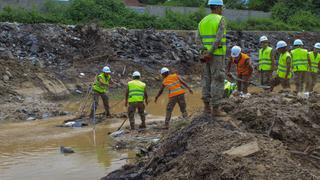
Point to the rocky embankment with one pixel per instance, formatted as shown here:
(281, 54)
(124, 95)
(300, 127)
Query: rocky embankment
(41, 61)
(265, 137)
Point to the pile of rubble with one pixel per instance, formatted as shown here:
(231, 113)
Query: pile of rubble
(265, 137)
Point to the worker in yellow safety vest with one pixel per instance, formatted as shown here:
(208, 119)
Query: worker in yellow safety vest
(301, 65)
(176, 86)
(266, 61)
(212, 32)
(136, 95)
(100, 89)
(315, 66)
(284, 73)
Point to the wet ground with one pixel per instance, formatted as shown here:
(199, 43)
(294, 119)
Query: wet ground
(30, 150)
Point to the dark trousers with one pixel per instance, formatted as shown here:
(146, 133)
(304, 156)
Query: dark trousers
(243, 86)
(180, 99)
(133, 106)
(266, 77)
(95, 104)
(312, 81)
(300, 79)
(285, 83)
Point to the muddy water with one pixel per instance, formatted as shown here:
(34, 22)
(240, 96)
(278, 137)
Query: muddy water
(30, 150)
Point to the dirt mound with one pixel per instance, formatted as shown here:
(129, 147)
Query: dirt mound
(266, 137)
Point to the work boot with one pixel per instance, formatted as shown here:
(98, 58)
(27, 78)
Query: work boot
(166, 126)
(207, 108)
(216, 112)
(143, 125)
(132, 126)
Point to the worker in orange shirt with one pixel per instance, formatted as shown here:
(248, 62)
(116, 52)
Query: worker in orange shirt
(175, 85)
(244, 68)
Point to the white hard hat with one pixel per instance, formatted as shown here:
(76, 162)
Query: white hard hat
(164, 70)
(263, 38)
(298, 42)
(281, 44)
(136, 74)
(235, 51)
(317, 45)
(106, 69)
(215, 2)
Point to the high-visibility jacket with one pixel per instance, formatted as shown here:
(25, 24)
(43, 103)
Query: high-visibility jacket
(229, 87)
(315, 59)
(265, 59)
(282, 65)
(208, 29)
(173, 84)
(299, 60)
(98, 87)
(136, 91)
(243, 68)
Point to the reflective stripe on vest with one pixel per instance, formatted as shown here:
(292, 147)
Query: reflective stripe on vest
(265, 61)
(315, 59)
(299, 59)
(282, 66)
(98, 87)
(136, 91)
(208, 29)
(172, 83)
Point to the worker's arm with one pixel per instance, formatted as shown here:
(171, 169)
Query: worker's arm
(288, 67)
(159, 93)
(229, 68)
(309, 62)
(185, 85)
(146, 96)
(273, 59)
(249, 64)
(219, 35)
(127, 96)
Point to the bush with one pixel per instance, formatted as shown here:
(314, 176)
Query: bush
(113, 13)
(305, 20)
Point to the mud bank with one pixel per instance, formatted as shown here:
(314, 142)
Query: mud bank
(264, 137)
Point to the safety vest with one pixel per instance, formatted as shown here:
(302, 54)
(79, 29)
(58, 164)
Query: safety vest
(172, 83)
(282, 65)
(136, 91)
(265, 61)
(208, 29)
(229, 87)
(242, 67)
(299, 60)
(98, 87)
(315, 59)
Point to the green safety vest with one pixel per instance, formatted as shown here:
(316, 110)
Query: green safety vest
(300, 60)
(229, 87)
(136, 91)
(98, 87)
(282, 65)
(315, 59)
(208, 29)
(265, 61)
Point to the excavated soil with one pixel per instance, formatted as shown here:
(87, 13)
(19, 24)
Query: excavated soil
(286, 130)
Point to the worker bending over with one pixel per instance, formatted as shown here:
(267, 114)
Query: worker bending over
(315, 66)
(266, 61)
(284, 73)
(136, 95)
(244, 68)
(175, 85)
(100, 89)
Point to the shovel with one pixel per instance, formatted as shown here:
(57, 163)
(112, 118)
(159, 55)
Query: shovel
(250, 82)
